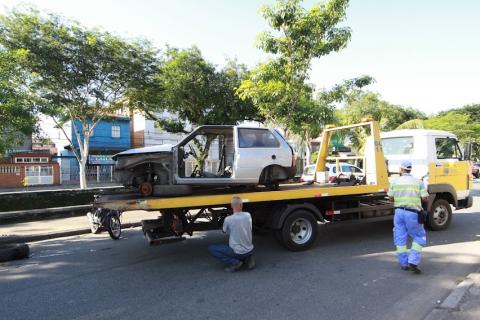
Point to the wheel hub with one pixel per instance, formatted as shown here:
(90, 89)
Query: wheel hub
(301, 231)
(440, 215)
(146, 189)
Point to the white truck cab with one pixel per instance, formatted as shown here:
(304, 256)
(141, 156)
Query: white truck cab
(420, 146)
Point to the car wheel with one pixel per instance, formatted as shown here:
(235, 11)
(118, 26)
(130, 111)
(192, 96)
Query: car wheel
(440, 215)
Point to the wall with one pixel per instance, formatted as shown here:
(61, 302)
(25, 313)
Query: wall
(13, 175)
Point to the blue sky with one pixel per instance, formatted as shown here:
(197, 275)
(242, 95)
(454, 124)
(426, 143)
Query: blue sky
(422, 53)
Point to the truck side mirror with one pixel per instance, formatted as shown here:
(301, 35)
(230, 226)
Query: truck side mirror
(467, 151)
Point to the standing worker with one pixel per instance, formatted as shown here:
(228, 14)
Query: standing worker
(239, 251)
(407, 194)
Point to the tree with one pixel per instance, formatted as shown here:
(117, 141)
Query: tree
(368, 104)
(278, 86)
(17, 111)
(196, 93)
(77, 76)
(361, 105)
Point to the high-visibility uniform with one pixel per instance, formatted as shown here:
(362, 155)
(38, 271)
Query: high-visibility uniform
(407, 192)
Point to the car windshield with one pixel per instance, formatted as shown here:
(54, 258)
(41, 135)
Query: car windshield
(309, 170)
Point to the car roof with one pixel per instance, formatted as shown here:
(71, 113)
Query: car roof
(416, 132)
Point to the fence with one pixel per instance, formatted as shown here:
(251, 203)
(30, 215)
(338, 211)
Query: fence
(97, 173)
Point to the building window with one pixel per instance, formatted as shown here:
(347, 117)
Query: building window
(115, 131)
(31, 160)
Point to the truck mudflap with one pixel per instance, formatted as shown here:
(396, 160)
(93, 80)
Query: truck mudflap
(465, 203)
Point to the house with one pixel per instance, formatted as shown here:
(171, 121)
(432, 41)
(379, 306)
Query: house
(110, 136)
(29, 169)
(145, 133)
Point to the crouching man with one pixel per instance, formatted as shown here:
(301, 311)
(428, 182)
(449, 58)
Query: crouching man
(239, 251)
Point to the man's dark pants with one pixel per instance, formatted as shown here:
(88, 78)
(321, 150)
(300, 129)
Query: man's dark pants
(224, 253)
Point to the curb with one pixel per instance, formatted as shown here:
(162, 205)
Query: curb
(453, 300)
(54, 235)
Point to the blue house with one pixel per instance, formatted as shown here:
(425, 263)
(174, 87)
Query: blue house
(109, 137)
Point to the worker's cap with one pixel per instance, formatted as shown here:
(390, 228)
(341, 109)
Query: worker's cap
(406, 164)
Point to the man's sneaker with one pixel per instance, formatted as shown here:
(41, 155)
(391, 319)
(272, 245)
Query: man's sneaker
(234, 267)
(250, 262)
(405, 268)
(414, 268)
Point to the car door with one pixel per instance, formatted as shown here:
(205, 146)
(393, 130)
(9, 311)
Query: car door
(257, 148)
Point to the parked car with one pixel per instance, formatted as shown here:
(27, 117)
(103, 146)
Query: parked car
(346, 169)
(476, 170)
(209, 156)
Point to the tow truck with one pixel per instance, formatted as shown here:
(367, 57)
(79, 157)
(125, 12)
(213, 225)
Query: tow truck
(296, 212)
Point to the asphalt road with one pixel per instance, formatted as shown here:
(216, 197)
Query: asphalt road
(350, 273)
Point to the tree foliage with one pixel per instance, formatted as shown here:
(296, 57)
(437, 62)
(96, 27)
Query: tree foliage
(17, 110)
(368, 104)
(77, 73)
(278, 86)
(196, 93)
(361, 105)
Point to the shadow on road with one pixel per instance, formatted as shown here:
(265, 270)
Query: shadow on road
(350, 272)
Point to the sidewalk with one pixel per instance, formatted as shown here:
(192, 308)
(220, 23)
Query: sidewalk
(93, 185)
(54, 228)
(463, 303)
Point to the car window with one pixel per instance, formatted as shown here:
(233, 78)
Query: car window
(356, 169)
(397, 145)
(447, 148)
(256, 138)
(346, 169)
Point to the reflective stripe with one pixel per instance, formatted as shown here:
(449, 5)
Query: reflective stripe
(401, 249)
(407, 192)
(416, 247)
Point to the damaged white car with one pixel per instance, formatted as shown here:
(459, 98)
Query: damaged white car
(209, 156)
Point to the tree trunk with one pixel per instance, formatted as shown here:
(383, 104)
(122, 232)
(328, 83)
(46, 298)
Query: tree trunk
(83, 174)
(308, 152)
(82, 156)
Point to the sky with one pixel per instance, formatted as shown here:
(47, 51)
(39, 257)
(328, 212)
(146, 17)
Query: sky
(422, 53)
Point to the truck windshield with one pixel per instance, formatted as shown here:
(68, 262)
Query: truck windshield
(397, 145)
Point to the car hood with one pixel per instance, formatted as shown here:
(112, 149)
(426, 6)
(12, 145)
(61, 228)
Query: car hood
(151, 149)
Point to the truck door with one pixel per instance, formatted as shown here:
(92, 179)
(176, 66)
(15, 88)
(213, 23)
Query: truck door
(257, 148)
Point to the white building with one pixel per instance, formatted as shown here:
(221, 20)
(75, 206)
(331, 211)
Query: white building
(146, 133)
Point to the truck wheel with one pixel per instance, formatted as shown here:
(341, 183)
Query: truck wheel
(440, 215)
(299, 231)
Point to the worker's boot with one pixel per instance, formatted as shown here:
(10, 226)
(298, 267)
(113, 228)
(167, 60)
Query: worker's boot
(234, 267)
(414, 268)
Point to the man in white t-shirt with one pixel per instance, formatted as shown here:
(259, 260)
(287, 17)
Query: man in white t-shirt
(239, 251)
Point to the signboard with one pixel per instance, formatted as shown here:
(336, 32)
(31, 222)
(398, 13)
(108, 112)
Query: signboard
(98, 159)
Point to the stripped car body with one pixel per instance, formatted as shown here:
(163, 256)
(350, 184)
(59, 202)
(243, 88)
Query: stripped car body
(209, 156)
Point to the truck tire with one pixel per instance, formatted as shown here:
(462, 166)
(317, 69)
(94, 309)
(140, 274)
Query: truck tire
(14, 251)
(440, 215)
(299, 231)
